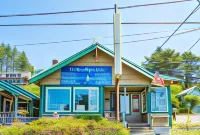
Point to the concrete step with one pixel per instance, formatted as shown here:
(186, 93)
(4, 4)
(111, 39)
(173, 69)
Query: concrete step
(142, 133)
(138, 125)
(139, 128)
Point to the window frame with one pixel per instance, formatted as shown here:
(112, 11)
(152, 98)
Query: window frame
(46, 98)
(88, 88)
(166, 100)
(145, 93)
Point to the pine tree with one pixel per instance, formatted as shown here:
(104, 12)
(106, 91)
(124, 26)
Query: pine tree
(8, 58)
(22, 63)
(2, 56)
(15, 54)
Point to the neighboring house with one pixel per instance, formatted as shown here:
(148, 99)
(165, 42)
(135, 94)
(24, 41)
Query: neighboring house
(17, 78)
(85, 84)
(195, 90)
(13, 100)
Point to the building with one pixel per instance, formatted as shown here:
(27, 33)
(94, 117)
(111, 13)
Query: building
(85, 84)
(195, 90)
(13, 101)
(17, 78)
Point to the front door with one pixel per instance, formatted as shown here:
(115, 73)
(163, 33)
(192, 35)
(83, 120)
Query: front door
(7, 105)
(135, 108)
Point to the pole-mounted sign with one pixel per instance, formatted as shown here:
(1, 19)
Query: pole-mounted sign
(117, 44)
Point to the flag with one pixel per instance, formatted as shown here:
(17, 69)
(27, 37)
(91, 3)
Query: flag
(158, 81)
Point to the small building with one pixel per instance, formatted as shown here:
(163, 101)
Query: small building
(16, 102)
(17, 78)
(195, 90)
(85, 84)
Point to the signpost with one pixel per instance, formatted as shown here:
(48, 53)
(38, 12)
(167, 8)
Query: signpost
(117, 58)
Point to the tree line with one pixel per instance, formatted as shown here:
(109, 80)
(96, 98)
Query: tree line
(169, 62)
(11, 60)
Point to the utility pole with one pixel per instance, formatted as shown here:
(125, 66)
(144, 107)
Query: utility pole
(117, 57)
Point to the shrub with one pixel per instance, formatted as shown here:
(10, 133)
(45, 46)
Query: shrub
(176, 89)
(175, 102)
(67, 126)
(193, 100)
(183, 110)
(96, 117)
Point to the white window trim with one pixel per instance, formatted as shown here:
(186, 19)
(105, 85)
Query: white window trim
(145, 93)
(46, 98)
(88, 88)
(166, 99)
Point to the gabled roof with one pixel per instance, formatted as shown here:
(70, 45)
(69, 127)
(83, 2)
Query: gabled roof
(188, 91)
(88, 50)
(16, 90)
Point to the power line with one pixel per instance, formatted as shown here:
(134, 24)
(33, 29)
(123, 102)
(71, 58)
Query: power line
(86, 39)
(195, 9)
(142, 40)
(95, 23)
(194, 44)
(180, 25)
(92, 10)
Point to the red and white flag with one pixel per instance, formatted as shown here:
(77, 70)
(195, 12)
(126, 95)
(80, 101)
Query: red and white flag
(158, 81)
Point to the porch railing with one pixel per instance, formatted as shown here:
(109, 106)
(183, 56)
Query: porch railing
(10, 120)
(7, 114)
(111, 115)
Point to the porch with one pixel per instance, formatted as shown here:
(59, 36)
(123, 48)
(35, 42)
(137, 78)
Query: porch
(8, 118)
(146, 105)
(132, 107)
(17, 104)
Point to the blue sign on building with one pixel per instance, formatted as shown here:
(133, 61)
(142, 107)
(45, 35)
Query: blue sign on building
(86, 75)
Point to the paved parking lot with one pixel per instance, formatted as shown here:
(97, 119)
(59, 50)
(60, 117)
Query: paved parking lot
(183, 118)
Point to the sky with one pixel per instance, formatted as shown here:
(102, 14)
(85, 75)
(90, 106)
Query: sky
(41, 56)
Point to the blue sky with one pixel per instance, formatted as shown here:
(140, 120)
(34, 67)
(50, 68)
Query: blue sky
(41, 56)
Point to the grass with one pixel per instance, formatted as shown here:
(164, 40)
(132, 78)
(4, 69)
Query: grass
(185, 132)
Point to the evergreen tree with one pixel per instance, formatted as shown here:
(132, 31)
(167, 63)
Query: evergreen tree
(8, 58)
(165, 61)
(190, 67)
(2, 56)
(15, 54)
(22, 63)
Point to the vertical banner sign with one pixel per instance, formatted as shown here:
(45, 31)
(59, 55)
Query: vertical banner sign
(117, 44)
(86, 75)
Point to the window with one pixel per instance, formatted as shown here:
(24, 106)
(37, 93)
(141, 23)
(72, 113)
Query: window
(58, 99)
(144, 101)
(22, 106)
(86, 99)
(159, 102)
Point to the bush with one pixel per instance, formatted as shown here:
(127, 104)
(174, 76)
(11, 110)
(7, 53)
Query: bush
(175, 102)
(183, 110)
(176, 89)
(67, 126)
(193, 100)
(96, 117)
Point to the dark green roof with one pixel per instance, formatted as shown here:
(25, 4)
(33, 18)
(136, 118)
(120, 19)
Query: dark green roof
(88, 50)
(16, 90)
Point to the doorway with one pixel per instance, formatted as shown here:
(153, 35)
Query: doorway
(7, 105)
(136, 108)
